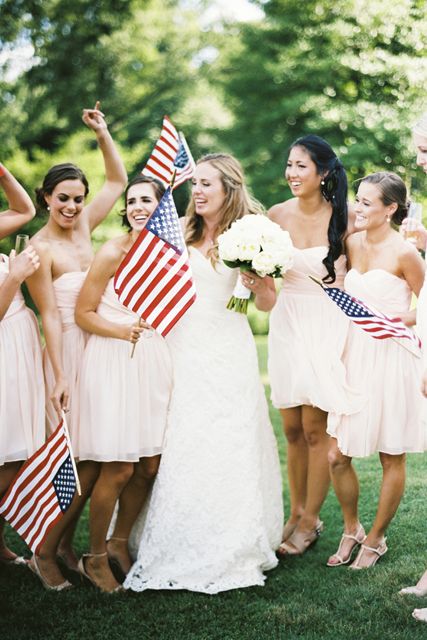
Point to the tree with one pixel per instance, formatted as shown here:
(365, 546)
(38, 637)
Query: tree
(352, 71)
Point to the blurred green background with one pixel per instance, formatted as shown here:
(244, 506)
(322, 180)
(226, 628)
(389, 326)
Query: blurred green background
(247, 81)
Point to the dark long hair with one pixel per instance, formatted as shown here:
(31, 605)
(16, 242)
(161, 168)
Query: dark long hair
(334, 189)
(56, 174)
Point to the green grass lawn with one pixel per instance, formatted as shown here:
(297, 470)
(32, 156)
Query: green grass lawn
(302, 597)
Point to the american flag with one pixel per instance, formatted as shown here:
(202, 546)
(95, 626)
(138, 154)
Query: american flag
(154, 280)
(374, 322)
(41, 491)
(171, 153)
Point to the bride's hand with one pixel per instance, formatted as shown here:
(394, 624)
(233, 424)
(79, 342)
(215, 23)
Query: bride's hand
(253, 282)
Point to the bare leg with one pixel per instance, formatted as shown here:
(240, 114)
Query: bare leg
(65, 549)
(392, 488)
(46, 560)
(111, 481)
(7, 472)
(131, 502)
(346, 485)
(297, 455)
(422, 582)
(318, 480)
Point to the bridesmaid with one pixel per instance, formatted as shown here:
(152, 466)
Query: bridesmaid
(21, 374)
(64, 246)
(307, 331)
(123, 401)
(385, 271)
(419, 132)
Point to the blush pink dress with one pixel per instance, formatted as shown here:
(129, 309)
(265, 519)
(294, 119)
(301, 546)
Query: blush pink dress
(307, 338)
(22, 416)
(387, 374)
(122, 401)
(67, 288)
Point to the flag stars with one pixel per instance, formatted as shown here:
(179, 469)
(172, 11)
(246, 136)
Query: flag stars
(65, 484)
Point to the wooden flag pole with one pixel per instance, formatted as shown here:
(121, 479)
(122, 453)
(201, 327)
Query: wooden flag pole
(317, 281)
(73, 462)
(134, 344)
(172, 182)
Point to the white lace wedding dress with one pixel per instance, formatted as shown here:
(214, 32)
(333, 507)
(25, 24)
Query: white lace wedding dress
(215, 515)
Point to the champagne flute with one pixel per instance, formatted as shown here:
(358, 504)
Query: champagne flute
(414, 218)
(21, 242)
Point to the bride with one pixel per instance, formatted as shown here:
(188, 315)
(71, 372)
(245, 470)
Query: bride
(214, 519)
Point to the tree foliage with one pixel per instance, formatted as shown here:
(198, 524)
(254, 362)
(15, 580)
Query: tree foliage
(352, 71)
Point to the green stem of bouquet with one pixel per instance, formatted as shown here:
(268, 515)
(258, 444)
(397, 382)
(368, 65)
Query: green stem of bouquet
(238, 304)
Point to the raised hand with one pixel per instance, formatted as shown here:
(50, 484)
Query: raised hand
(23, 265)
(94, 118)
(417, 231)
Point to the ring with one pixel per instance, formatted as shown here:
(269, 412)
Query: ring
(251, 281)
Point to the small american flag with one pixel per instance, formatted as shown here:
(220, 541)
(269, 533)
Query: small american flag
(373, 322)
(154, 280)
(41, 491)
(171, 153)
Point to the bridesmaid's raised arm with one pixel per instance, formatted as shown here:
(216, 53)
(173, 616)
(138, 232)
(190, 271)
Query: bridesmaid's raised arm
(115, 172)
(21, 210)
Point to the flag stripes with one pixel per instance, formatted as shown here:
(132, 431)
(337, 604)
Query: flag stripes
(154, 280)
(375, 323)
(41, 491)
(170, 153)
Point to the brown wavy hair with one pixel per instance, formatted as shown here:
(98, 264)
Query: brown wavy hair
(237, 202)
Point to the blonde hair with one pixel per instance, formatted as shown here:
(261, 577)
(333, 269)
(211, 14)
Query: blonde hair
(237, 202)
(420, 127)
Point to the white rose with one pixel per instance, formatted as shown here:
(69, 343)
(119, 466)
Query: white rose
(228, 247)
(248, 249)
(264, 263)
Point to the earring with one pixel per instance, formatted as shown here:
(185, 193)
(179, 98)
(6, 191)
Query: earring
(48, 208)
(388, 218)
(322, 182)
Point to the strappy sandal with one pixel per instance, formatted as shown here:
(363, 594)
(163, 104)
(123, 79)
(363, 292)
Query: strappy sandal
(18, 561)
(115, 564)
(420, 615)
(64, 586)
(378, 551)
(300, 541)
(419, 592)
(84, 573)
(288, 529)
(358, 538)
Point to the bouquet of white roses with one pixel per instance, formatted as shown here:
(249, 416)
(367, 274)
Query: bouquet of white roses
(254, 243)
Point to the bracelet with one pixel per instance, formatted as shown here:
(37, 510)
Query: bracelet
(2, 170)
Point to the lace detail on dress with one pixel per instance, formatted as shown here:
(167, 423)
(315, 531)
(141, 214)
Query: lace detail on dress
(215, 515)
